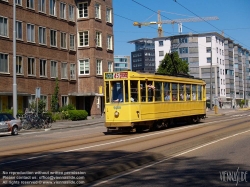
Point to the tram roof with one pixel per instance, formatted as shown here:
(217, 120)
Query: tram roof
(146, 75)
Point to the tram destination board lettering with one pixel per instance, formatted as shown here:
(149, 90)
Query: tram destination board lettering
(120, 75)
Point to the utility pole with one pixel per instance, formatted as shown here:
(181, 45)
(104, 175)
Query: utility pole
(211, 74)
(14, 62)
(244, 63)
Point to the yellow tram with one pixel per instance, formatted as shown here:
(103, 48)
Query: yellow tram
(137, 101)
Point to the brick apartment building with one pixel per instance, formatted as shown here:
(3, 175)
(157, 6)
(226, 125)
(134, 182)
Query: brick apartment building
(66, 39)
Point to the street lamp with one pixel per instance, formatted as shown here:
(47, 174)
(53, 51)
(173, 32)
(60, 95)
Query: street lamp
(14, 61)
(211, 74)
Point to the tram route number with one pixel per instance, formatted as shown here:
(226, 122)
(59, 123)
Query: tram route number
(120, 75)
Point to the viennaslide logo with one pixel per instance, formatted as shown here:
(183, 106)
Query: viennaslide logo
(233, 176)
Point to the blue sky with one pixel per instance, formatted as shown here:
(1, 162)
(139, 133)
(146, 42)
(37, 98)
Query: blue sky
(234, 19)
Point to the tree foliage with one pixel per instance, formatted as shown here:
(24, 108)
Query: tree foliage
(55, 98)
(172, 65)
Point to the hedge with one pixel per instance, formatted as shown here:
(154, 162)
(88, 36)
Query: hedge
(75, 115)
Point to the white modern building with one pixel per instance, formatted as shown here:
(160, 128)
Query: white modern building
(228, 61)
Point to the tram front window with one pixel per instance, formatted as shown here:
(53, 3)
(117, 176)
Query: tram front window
(119, 91)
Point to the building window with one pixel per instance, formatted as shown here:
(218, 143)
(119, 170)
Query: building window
(42, 35)
(19, 65)
(31, 66)
(19, 2)
(30, 33)
(98, 67)
(63, 10)
(72, 71)
(208, 39)
(183, 50)
(19, 30)
(53, 69)
(43, 68)
(72, 42)
(83, 39)
(109, 42)
(160, 43)
(97, 11)
(110, 66)
(98, 39)
(71, 13)
(30, 4)
(53, 38)
(161, 53)
(3, 26)
(64, 72)
(64, 100)
(42, 6)
(52, 7)
(182, 40)
(63, 40)
(4, 65)
(109, 15)
(209, 60)
(84, 67)
(208, 49)
(83, 10)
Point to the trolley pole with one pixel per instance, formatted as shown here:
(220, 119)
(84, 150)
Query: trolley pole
(14, 62)
(211, 74)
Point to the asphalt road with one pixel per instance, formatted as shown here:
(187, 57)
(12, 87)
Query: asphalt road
(192, 155)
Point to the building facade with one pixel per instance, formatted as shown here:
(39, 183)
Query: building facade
(228, 61)
(121, 63)
(68, 40)
(143, 58)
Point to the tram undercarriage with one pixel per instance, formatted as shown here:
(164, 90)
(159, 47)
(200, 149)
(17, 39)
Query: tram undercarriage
(152, 125)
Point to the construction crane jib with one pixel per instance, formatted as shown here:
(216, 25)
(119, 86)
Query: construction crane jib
(177, 21)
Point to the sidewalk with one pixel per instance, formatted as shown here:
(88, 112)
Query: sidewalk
(72, 124)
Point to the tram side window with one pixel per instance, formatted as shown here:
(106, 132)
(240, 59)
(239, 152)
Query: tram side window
(194, 92)
(158, 91)
(181, 92)
(166, 86)
(143, 91)
(151, 89)
(174, 92)
(117, 91)
(107, 92)
(188, 92)
(199, 92)
(134, 91)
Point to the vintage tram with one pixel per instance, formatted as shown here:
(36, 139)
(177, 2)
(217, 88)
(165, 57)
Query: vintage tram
(138, 101)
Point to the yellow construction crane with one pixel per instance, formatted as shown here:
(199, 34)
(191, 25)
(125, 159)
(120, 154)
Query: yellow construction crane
(178, 21)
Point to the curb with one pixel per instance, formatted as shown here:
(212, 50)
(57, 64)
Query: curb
(73, 126)
(61, 127)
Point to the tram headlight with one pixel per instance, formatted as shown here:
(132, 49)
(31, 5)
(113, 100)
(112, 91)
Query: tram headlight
(116, 114)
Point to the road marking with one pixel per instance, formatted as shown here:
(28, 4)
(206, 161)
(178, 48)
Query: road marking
(119, 141)
(166, 159)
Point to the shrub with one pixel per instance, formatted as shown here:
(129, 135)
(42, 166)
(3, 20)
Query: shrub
(75, 115)
(67, 107)
(56, 116)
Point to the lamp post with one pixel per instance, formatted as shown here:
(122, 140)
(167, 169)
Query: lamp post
(211, 74)
(14, 62)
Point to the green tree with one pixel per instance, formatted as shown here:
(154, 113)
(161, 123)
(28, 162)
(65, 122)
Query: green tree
(55, 98)
(172, 65)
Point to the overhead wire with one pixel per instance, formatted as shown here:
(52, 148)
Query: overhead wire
(208, 22)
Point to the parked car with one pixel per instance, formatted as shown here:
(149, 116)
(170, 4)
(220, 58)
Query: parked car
(8, 124)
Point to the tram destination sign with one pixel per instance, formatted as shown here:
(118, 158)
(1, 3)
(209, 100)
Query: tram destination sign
(118, 75)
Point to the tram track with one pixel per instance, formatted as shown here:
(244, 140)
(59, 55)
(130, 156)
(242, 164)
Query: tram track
(99, 167)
